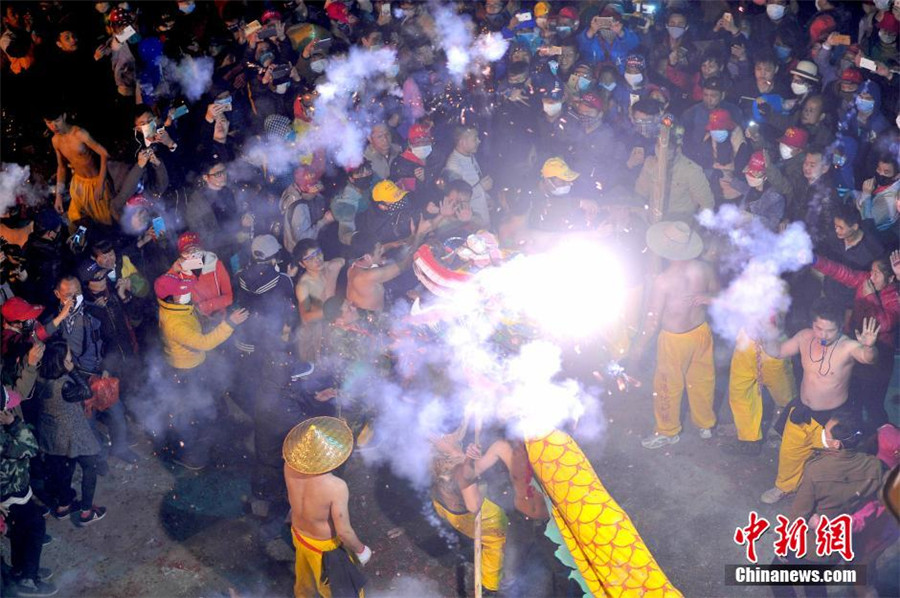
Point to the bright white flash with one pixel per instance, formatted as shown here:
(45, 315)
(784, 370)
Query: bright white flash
(572, 291)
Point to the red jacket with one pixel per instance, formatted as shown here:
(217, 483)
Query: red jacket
(883, 306)
(213, 293)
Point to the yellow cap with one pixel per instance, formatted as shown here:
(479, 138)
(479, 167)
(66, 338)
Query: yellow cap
(557, 167)
(388, 192)
(541, 9)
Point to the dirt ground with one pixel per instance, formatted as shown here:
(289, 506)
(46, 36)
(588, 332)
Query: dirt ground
(173, 533)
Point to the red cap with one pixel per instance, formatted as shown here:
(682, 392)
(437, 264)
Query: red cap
(568, 13)
(188, 240)
(418, 132)
(171, 285)
(851, 74)
(889, 24)
(757, 163)
(593, 100)
(720, 119)
(138, 201)
(269, 15)
(337, 11)
(17, 309)
(795, 137)
(821, 26)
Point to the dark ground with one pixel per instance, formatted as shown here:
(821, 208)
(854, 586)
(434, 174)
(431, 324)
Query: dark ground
(172, 533)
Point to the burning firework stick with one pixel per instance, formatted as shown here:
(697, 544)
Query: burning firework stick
(606, 547)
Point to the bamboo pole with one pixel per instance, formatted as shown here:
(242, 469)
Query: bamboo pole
(477, 534)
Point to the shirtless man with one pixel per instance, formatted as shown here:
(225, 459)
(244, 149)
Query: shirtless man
(456, 499)
(89, 190)
(677, 303)
(528, 559)
(827, 357)
(320, 520)
(368, 274)
(315, 287)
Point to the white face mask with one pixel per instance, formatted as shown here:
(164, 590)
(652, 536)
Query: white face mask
(281, 89)
(561, 190)
(552, 108)
(897, 122)
(786, 151)
(719, 136)
(776, 11)
(755, 181)
(79, 299)
(887, 39)
(634, 78)
(421, 152)
(125, 35)
(882, 4)
(317, 66)
(799, 89)
(148, 130)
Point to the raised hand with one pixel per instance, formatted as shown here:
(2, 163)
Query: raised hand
(869, 334)
(895, 262)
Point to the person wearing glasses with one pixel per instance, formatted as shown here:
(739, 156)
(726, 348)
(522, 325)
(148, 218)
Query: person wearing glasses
(213, 212)
(314, 287)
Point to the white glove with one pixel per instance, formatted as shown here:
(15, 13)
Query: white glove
(365, 555)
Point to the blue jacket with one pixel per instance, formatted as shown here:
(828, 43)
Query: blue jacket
(596, 49)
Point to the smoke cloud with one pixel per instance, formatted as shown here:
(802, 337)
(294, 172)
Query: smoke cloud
(194, 75)
(455, 37)
(759, 257)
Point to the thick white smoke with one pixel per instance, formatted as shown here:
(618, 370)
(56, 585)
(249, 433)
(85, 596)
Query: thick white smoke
(759, 256)
(12, 182)
(345, 107)
(464, 51)
(194, 75)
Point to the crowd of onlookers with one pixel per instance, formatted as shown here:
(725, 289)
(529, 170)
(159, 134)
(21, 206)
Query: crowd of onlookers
(146, 249)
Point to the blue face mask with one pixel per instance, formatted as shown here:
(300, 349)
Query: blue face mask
(553, 65)
(865, 105)
(187, 8)
(608, 86)
(266, 57)
(564, 30)
(783, 52)
(583, 83)
(719, 135)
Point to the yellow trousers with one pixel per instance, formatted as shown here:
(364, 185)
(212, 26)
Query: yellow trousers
(308, 566)
(797, 445)
(684, 360)
(91, 198)
(751, 369)
(493, 537)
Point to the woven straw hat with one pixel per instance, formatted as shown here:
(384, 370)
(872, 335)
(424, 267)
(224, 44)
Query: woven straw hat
(674, 241)
(318, 445)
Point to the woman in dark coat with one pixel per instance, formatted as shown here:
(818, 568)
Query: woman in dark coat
(65, 437)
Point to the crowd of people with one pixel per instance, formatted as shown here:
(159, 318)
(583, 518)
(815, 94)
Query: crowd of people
(146, 247)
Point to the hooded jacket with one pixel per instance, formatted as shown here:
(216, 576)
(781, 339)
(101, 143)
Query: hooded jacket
(184, 343)
(212, 293)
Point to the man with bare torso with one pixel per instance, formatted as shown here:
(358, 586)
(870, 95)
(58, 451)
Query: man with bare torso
(90, 192)
(827, 357)
(677, 304)
(368, 274)
(316, 286)
(328, 549)
(528, 558)
(457, 499)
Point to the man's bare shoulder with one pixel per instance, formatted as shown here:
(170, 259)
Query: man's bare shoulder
(336, 264)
